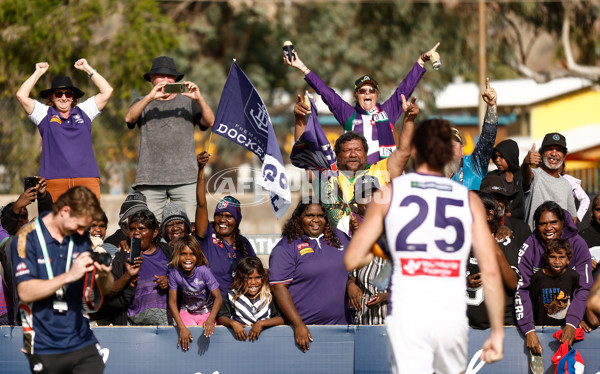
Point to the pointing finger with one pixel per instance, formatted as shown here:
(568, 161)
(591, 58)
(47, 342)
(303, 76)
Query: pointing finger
(435, 47)
(487, 83)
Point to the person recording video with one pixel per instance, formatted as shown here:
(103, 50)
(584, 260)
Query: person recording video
(51, 258)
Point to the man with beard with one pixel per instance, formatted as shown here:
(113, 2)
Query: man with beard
(544, 183)
(469, 170)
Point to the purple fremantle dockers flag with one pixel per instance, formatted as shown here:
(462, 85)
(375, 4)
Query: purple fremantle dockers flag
(312, 150)
(242, 118)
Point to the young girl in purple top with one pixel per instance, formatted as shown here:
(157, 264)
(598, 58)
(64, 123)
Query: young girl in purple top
(249, 302)
(201, 297)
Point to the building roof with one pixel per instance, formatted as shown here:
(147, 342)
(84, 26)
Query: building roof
(511, 92)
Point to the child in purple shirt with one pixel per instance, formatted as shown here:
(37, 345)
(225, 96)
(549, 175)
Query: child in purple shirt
(201, 296)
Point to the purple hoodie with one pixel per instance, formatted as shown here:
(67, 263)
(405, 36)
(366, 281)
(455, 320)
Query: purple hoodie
(531, 259)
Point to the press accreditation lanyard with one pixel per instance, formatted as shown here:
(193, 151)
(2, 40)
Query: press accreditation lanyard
(38, 230)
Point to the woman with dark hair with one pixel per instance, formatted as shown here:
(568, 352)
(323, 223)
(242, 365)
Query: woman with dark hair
(66, 128)
(139, 294)
(306, 271)
(221, 240)
(552, 222)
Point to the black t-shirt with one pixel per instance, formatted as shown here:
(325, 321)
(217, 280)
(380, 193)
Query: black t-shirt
(476, 310)
(551, 296)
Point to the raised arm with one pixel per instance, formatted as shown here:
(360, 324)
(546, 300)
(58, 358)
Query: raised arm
(482, 154)
(208, 117)
(201, 206)
(398, 159)
(25, 90)
(105, 88)
(135, 111)
(533, 159)
(358, 253)
(301, 110)
(484, 248)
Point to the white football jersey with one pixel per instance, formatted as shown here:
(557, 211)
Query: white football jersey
(428, 228)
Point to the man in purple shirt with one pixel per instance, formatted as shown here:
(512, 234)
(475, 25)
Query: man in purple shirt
(368, 117)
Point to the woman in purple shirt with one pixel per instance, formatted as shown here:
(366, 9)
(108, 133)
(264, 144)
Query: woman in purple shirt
(66, 128)
(221, 241)
(307, 273)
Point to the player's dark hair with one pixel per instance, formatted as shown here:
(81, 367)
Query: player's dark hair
(433, 143)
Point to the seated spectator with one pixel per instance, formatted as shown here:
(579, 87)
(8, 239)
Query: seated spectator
(249, 301)
(506, 159)
(469, 170)
(98, 233)
(307, 273)
(133, 203)
(201, 299)
(583, 200)
(139, 294)
(507, 254)
(369, 302)
(544, 183)
(552, 222)
(221, 240)
(175, 223)
(367, 117)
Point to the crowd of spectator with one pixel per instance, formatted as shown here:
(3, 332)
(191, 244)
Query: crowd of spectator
(186, 269)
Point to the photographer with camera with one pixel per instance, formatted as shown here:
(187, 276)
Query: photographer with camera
(51, 256)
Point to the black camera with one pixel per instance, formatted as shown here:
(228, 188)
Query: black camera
(102, 258)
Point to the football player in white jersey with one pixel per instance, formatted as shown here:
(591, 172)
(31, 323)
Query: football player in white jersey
(431, 222)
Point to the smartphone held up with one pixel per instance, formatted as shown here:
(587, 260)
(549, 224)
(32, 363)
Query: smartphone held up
(30, 182)
(175, 88)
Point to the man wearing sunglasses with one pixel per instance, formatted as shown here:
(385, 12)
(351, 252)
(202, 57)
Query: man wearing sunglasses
(66, 128)
(368, 117)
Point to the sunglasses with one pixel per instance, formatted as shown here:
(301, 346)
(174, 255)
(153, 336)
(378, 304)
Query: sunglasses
(367, 90)
(59, 94)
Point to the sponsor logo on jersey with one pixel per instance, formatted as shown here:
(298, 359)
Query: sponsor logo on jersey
(304, 248)
(430, 267)
(55, 118)
(77, 118)
(431, 185)
(22, 269)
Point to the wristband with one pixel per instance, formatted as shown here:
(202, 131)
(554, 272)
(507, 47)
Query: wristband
(92, 73)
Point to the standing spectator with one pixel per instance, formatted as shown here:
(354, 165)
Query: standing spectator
(222, 243)
(306, 271)
(417, 210)
(98, 233)
(351, 150)
(66, 128)
(469, 170)
(544, 183)
(57, 336)
(552, 222)
(367, 117)
(166, 167)
(506, 159)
